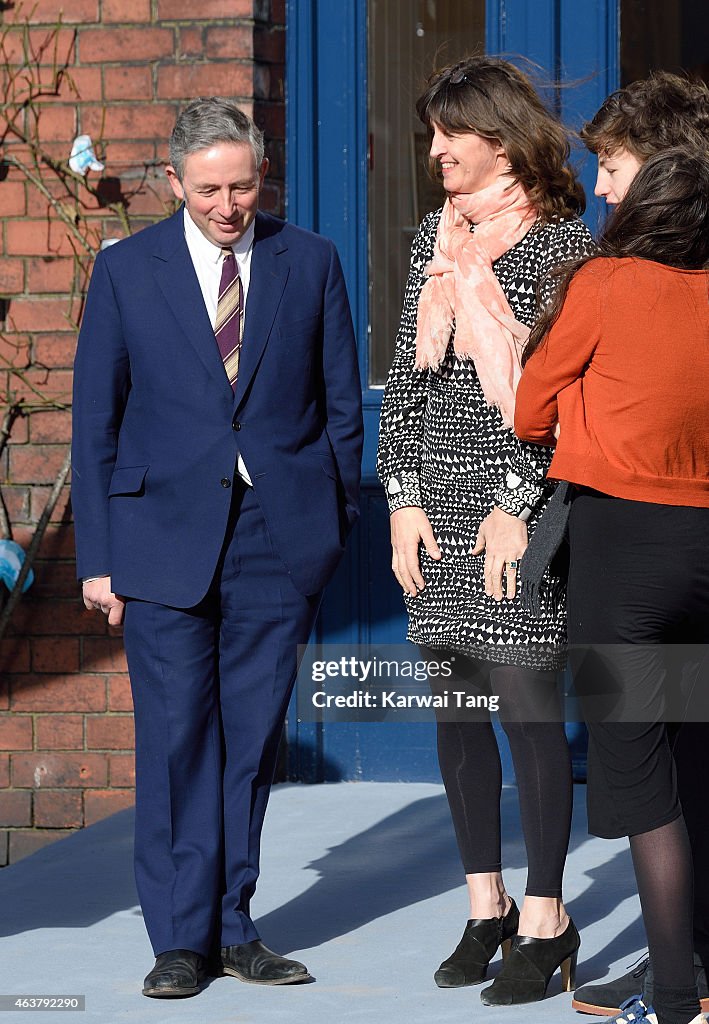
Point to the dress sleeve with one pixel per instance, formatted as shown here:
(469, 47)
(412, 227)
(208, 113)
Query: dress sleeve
(525, 464)
(404, 402)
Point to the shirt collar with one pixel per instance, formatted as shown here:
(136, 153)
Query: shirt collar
(208, 250)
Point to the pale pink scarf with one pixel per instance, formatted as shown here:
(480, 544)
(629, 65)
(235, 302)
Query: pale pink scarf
(462, 289)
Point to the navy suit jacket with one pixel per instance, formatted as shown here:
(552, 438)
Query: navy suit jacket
(157, 427)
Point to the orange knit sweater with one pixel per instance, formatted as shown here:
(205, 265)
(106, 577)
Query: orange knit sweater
(625, 373)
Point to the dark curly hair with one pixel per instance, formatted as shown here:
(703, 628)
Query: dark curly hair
(664, 217)
(490, 97)
(651, 115)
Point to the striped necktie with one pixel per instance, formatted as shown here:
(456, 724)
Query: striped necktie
(230, 316)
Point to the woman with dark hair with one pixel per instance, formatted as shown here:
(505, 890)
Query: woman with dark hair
(464, 493)
(619, 368)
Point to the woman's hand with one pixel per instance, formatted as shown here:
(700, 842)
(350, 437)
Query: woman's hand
(410, 527)
(503, 538)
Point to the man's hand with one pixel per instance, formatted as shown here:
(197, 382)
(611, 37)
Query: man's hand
(98, 594)
(410, 526)
(503, 538)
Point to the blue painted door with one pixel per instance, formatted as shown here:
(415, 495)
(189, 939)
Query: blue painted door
(328, 156)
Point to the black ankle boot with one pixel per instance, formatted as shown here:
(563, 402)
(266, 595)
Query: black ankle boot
(467, 965)
(528, 969)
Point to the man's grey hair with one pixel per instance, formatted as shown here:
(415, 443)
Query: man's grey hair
(207, 121)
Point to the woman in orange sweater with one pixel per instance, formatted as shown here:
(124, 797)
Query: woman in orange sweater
(619, 370)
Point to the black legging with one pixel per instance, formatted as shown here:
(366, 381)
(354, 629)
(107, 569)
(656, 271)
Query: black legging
(470, 765)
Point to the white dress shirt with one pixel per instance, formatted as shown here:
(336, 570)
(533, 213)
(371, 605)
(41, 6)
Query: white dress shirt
(207, 261)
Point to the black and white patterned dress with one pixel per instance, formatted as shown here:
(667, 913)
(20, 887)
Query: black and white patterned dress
(443, 448)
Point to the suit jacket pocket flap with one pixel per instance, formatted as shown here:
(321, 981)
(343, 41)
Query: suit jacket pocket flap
(127, 480)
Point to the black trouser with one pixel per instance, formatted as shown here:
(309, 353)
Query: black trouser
(469, 758)
(639, 575)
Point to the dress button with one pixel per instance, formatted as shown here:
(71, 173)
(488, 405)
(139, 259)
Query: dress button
(226, 482)
(236, 425)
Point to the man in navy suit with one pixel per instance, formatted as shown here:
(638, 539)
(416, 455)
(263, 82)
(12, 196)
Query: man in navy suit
(216, 460)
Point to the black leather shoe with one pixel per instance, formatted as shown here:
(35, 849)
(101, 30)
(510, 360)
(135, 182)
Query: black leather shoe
(605, 998)
(527, 971)
(255, 963)
(177, 973)
(468, 963)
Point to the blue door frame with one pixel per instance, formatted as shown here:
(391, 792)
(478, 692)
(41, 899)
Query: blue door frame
(575, 42)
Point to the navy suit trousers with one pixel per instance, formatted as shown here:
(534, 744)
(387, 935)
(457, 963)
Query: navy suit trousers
(211, 686)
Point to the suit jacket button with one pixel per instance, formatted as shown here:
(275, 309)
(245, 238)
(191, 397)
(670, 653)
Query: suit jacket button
(236, 425)
(226, 482)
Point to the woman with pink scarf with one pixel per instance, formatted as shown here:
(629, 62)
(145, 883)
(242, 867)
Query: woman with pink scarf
(465, 494)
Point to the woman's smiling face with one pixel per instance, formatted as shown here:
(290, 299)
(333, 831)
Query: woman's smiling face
(469, 162)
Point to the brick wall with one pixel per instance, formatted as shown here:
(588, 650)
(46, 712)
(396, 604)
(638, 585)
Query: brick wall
(66, 729)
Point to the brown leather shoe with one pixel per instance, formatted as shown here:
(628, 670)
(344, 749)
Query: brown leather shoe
(177, 973)
(255, 963)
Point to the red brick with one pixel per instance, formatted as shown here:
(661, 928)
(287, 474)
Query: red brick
(120, 697)
(128, 83)
(99, 804)
(15, 654)
(55, 654)
(36, 463)
(183, 10)
(121, 771)
(191, 42)
(60, 732)
(58, 808)
(49, 274)
(15, 351)
(155, 198)
(72, 10)
(230, 41)
(61, 513)
(40, 314)
(20, 428)
(98, 45)
(63, 693)
(17, 502)
(39, 45)
(228, 79)
(57, 542)
(57, 618)
(56, 123)
(5, 770)
(58, 771)
(36, 238)
(52, 426)
(278, 12)
(13, 201)
(15, 808)
(133, 155)
(55, 579)
(80, 85)
(127, 11)
(15, 733)
(38, 205)
(51, 383)
(103, 654)
(126, 121)
(55, 349)
(110, 732)
(24, 842)
(12, 274)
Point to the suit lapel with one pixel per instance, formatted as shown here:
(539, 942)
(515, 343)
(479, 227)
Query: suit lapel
(269, 273)
(176, 277)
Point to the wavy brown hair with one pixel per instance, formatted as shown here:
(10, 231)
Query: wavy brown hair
(491, 98)
(650, 116)
(664, 217)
